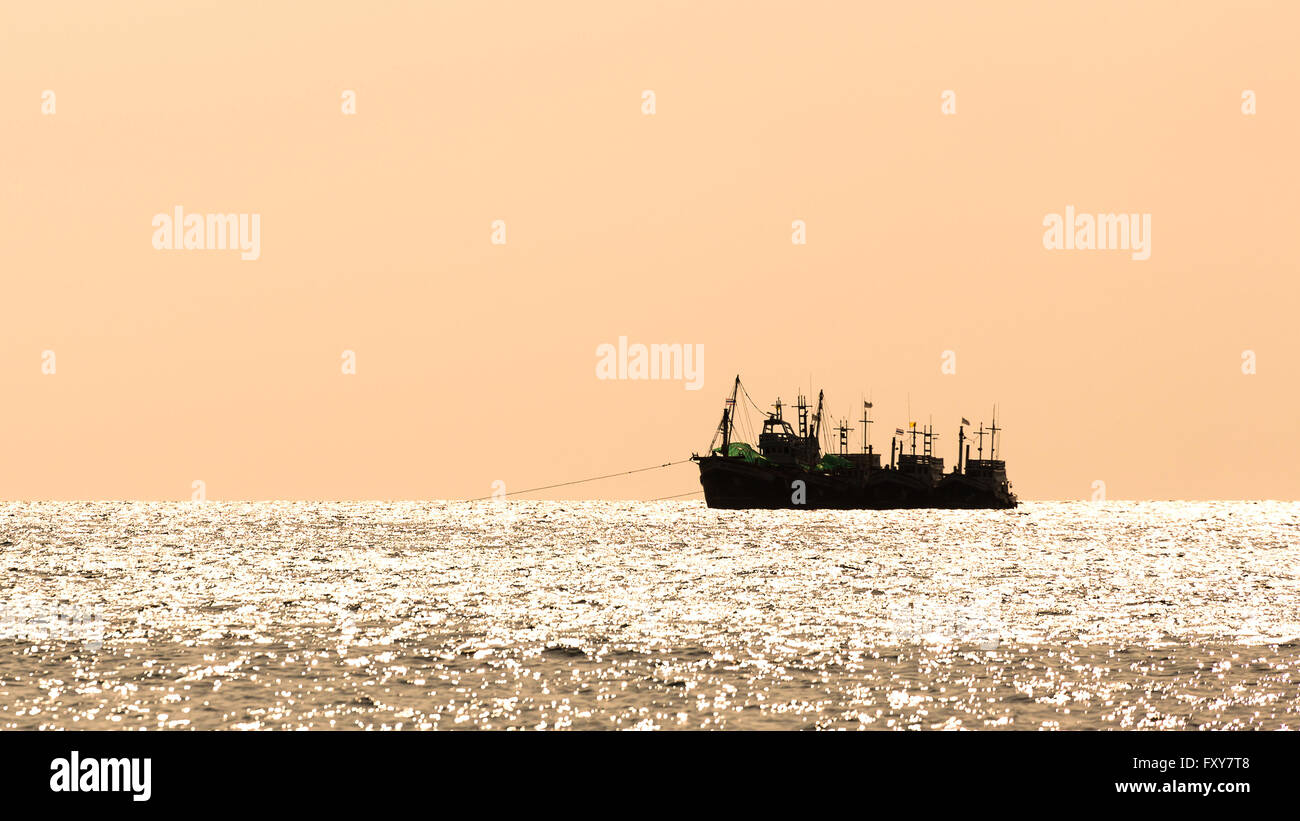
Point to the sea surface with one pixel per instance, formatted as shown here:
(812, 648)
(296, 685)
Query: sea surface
(635, 615)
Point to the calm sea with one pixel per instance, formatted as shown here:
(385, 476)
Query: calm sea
(629, 615)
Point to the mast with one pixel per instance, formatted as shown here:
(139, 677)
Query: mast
(866, 427)
(817, 418)
(993, 432)
(729, 418)
(927, 438)
(961, 442)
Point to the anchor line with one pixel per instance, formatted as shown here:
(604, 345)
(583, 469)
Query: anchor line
(581, 481)
(677, 496)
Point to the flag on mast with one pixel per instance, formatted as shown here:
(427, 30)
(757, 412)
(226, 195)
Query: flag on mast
(965, 421)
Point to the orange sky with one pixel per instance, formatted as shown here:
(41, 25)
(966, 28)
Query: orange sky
(476, 362)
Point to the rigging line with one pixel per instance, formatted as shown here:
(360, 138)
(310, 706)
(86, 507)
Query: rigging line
(750, 398)
(580, 481)
(743, 422)
(678, 496)
(747, 429)
(733, 414)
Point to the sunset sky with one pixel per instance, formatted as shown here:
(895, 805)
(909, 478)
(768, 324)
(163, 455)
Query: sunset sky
(477, 361)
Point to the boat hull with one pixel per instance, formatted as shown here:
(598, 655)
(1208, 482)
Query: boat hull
(737, 484)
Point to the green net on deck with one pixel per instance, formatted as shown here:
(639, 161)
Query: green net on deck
(743, 451)
(831, 463)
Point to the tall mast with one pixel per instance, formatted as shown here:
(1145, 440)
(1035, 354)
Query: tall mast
(729, 418)
(961, 442)
(731, 405)
(993, 432)
(866, 427)
(927, 438)
(911, 427)
(817, 418)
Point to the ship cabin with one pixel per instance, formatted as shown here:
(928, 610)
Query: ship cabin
(780, 445)
(926, 467)
(987, 468)
(864, 461)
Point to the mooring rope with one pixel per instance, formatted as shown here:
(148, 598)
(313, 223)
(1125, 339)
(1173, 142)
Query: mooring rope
(677, 496)
(581, 481)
